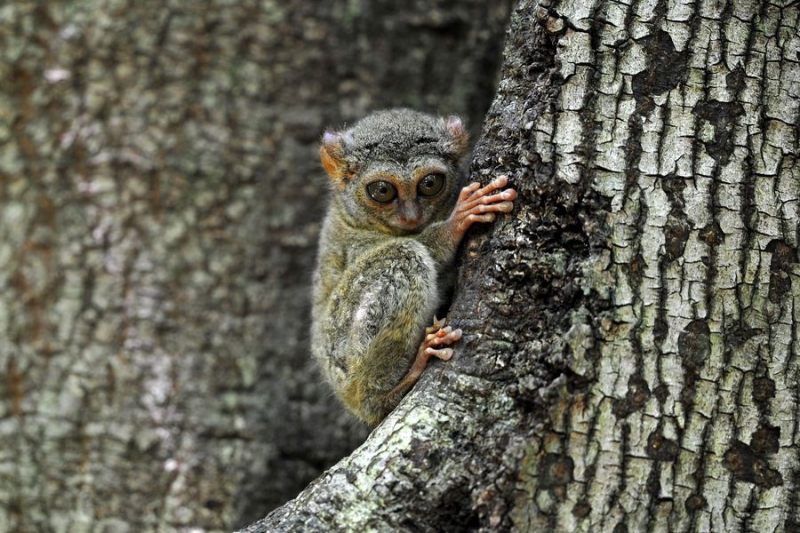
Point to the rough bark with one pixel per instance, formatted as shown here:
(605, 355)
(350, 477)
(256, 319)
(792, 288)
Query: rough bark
(160, 197)
(632, 331)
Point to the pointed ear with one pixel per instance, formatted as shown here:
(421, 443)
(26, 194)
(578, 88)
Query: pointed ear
(331, 153)
(457, 143)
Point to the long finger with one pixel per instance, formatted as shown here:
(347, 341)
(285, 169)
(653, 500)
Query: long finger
(508, 194)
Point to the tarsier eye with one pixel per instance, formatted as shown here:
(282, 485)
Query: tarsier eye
(431, 185)
(381, 191)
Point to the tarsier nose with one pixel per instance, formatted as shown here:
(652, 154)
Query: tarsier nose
(411, 214)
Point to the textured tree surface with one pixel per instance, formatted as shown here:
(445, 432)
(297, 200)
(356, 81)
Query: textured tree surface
(632, 331)
(160, 196)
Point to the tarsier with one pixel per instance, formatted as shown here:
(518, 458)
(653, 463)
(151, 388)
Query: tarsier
(387, 248)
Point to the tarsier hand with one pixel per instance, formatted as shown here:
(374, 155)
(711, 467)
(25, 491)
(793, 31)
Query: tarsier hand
(477, 204)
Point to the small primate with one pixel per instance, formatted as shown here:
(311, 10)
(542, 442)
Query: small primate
(387, 249)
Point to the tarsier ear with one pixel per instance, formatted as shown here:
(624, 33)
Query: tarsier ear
(457, 142)
(331, 153)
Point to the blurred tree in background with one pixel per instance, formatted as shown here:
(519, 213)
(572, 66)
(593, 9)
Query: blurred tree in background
(159, 203)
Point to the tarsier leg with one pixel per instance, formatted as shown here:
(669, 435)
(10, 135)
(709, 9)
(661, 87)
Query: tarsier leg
(435, 337)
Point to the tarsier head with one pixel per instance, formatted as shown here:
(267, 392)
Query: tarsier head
(396, 171)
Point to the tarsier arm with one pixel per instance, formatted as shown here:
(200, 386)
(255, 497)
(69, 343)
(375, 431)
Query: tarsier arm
(475, 204)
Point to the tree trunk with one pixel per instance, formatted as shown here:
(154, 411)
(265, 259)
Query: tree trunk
(632, 330)
(160, 198)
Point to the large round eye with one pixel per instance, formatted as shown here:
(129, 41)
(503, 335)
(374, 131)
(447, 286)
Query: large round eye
(431, 185)
(381, 191)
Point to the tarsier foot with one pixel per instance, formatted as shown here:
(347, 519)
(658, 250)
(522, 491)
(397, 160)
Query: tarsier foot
(478, 204)
(436, 336)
